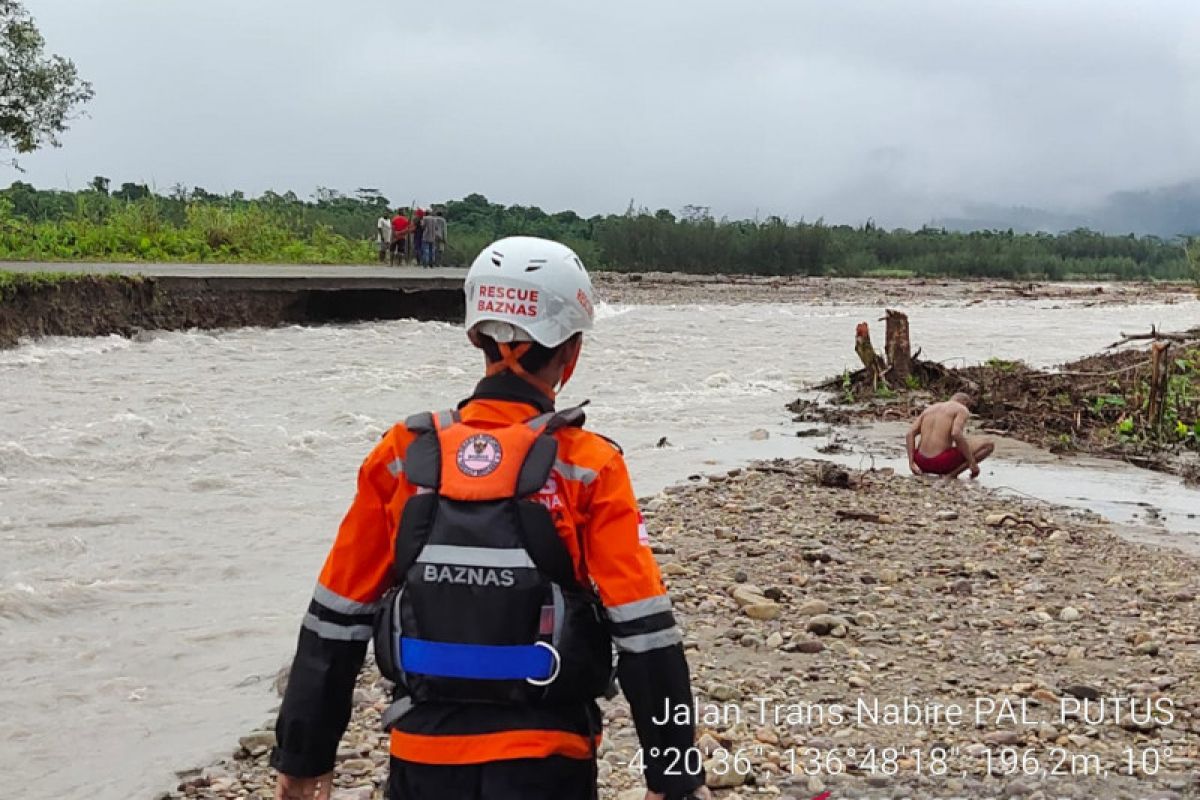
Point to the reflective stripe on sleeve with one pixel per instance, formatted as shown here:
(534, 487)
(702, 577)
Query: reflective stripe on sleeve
(396, 467)
(646, 642)
(474, 556)
(574, 472)
(336, 631)
(627, 612)
(343, 605)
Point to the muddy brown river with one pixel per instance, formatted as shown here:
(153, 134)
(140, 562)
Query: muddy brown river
(165, 503)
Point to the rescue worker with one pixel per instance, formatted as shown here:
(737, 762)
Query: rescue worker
(484, 549)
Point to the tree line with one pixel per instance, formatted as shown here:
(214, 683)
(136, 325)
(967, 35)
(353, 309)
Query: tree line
(131, 221)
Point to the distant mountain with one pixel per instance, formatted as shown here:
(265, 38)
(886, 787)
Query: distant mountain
(987, 217)
(1167, 212)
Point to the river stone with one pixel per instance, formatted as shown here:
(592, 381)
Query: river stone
(763, 611)
(1082, 691)
(722, 692)
(356, 766)
(1150, 648)
(809, 646)
(1069, 614)
(1004, 737)
(748, 595)
(811, 608)
(257, 740)
(356, 793)
(824, 624)
(731, 778)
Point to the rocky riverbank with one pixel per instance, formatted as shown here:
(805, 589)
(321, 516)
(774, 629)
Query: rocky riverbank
(810, 595)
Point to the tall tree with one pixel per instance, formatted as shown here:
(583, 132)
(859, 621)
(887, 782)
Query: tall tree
(39, 93)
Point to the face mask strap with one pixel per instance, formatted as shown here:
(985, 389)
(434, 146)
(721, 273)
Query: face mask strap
(569, 371)
(509, 360)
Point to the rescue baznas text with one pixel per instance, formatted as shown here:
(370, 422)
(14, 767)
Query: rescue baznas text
(508, 300)
(470, 576)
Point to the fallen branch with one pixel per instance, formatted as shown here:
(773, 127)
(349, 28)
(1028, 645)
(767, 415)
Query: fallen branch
(1122, 370)
(999, 520)
(863, 516)
(776, 470)
(1157, 335)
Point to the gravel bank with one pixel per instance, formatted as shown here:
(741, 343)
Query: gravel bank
(807, 604)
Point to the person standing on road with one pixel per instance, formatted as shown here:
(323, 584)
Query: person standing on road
(496, 554)
(400, 232)
(434, 239)
(418, 235)
(383, 236)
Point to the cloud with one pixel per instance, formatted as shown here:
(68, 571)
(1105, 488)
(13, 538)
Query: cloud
(896, 111)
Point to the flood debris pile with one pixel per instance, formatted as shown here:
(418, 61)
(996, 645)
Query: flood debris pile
(1141, 405)
(815, 608)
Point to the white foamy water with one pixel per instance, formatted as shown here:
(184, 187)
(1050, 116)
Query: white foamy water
(165, 504)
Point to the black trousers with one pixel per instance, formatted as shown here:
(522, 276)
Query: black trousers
(553, 778)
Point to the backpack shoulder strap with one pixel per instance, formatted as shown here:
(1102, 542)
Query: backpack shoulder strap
(540, 459)
(423, 458)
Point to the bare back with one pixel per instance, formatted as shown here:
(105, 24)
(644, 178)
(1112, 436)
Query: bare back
(936, 426)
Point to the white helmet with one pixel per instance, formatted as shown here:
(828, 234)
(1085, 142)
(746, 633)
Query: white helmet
(524, 289)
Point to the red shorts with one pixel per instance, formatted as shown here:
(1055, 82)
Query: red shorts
(943, 463)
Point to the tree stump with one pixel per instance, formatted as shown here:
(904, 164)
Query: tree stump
(866, 353)
(1160, 379)
(898, 347)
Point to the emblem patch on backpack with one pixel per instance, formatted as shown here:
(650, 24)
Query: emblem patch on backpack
(479, 455)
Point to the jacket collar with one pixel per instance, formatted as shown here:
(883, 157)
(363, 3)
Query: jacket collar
(510, 387)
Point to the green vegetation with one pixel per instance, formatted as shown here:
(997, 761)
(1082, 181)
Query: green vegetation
(39, 93)
(12, 282)
(1003, 365)
(133, 223)
(1127, 413)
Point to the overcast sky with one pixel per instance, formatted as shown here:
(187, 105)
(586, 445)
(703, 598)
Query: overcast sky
(900, 110)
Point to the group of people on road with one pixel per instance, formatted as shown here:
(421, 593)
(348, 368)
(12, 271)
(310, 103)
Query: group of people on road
(419, 239)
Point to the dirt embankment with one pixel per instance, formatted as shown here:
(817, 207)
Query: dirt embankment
(1103, 405)
(801, 596)
(99, 305)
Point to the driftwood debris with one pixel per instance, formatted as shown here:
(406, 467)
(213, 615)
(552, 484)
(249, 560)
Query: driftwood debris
(1155, 334)
(897, 346)
(864, 516)
(872, 362)
(1000, 520)
(901, 363)
(822, 473)
(1160, 378)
